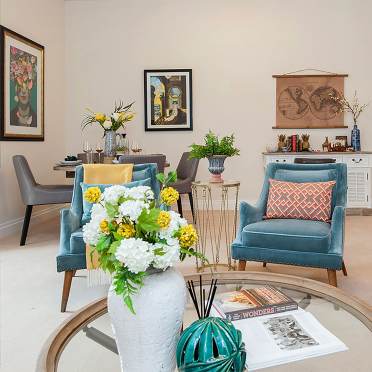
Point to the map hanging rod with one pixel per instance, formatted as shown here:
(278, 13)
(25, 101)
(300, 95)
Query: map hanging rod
(323, 73)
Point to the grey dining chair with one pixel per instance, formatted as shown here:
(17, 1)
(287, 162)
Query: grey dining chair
(158, 159)
(186, 174)
(33, 193)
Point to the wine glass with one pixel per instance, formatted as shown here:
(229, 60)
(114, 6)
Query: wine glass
(136, 147)
(99, 149)
(87, 148)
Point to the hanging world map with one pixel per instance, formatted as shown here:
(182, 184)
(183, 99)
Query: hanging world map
(306, 101)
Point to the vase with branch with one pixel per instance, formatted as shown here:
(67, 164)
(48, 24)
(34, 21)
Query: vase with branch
(355, 108)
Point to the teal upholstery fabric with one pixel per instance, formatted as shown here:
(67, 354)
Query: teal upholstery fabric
(288, 234)
(71, 255)
(87, 207)
(295, 242)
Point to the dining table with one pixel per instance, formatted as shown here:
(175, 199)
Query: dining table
(70, 169)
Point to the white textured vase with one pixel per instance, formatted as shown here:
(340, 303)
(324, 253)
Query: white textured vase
(147, 341)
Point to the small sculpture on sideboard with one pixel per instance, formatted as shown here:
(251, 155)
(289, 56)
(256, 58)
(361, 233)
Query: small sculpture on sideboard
(305, 142)
(326, 145)
(281, 142)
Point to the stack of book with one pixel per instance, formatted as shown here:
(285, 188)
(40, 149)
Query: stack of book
(274, 329)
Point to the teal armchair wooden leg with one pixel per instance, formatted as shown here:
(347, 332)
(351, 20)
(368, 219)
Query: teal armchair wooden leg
(66, 289)
(242, 264)
(332, 278)
(344, 268)
(264, 264)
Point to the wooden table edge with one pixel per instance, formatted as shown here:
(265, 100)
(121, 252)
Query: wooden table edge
(57, 341)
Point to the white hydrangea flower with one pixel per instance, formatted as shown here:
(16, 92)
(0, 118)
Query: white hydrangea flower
(113, 193)
(132, 208)
(135, 254)
(171, 256)
(92, 232)
(175, 223)
(140, 192)
(98, 212)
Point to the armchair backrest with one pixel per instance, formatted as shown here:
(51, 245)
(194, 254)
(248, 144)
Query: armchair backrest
(140, 171)
(308, 173)
(187, 168)
(159, 159)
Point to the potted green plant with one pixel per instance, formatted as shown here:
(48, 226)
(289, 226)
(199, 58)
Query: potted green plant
(216, 151)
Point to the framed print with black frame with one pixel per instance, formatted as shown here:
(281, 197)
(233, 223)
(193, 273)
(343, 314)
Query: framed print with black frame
(22, 88)
(168, 99)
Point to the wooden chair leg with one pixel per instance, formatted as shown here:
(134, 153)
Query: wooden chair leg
(332, 278)
(344, 268)
(241, 265)
(191, 204)
(26, 224)
(264, 264)
(66, 289)
(179, 205)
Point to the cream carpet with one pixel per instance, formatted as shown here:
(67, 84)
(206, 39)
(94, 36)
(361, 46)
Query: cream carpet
(30, 288)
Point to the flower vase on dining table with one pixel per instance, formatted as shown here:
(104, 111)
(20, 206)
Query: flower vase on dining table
(110, 143)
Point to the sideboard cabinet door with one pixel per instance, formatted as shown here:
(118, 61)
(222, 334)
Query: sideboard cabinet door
(359, 186)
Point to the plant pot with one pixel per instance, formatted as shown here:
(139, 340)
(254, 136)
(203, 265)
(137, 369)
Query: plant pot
(216, 167)
(147, 340)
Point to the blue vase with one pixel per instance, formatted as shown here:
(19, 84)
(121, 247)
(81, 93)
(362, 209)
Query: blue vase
(216, 167)
(355, 138)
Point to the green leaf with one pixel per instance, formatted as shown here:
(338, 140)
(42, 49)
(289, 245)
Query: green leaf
(103, 243)
(129, 303)
(159, 252)
(171, 177)
(112, 210)
(147, 221)
(113, 247)
(160, 177)
(117, 236)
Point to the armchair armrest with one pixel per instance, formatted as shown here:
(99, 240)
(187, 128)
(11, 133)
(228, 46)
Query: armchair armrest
(70, 222)
(248, 214)
(337, 230)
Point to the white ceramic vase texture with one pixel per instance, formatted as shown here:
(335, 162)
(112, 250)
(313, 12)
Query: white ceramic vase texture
(147, 341)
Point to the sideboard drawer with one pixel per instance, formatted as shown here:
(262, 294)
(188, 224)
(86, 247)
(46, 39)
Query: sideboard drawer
(279, 159)
(357, 160)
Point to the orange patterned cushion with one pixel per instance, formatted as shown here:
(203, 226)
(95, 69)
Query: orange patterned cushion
(306, 201)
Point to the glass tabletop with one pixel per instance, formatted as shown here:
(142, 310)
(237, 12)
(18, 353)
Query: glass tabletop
(92, 347)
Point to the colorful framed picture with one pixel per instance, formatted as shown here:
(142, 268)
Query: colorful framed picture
(22, 88)
(168, 99)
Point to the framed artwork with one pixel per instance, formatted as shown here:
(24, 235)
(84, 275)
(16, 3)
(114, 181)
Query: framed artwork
(168, 99)
(305, 101)
(22, 88)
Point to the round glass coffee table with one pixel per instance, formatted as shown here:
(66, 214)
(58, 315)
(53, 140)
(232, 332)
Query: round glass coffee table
(84, 342)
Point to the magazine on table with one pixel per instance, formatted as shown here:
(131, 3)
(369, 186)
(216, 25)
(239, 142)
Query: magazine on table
(284, 337)
(252, 302)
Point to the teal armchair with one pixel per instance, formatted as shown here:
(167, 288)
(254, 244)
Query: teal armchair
(293, 241)
(71, 255)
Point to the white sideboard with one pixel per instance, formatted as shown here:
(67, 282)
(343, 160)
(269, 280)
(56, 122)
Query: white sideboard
(359, 166)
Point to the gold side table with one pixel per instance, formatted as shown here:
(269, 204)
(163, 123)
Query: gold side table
(215, 218)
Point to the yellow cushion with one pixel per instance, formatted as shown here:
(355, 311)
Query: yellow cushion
(109, 174)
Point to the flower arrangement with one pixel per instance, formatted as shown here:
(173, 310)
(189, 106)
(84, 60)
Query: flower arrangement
(214, 146)
(22, 69)
(132, 233)
(353, 106)
(117, 119)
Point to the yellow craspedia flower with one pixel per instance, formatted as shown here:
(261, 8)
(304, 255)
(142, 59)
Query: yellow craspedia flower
(164, 219)
(169, 196)
(126, 230)
(187, 236)
(92, 194)
(104, 226)
(100, 117)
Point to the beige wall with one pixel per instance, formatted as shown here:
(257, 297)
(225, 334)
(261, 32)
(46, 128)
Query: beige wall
(42, 21)
(233, 47)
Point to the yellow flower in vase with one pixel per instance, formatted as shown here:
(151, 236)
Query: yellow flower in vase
(92, 195)
(126, 230)
(187, 236)
(164, 219)
(104, 226)
(100, 117)
(169, 196)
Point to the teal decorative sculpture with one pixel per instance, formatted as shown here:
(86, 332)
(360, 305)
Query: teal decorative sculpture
(211, 344)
